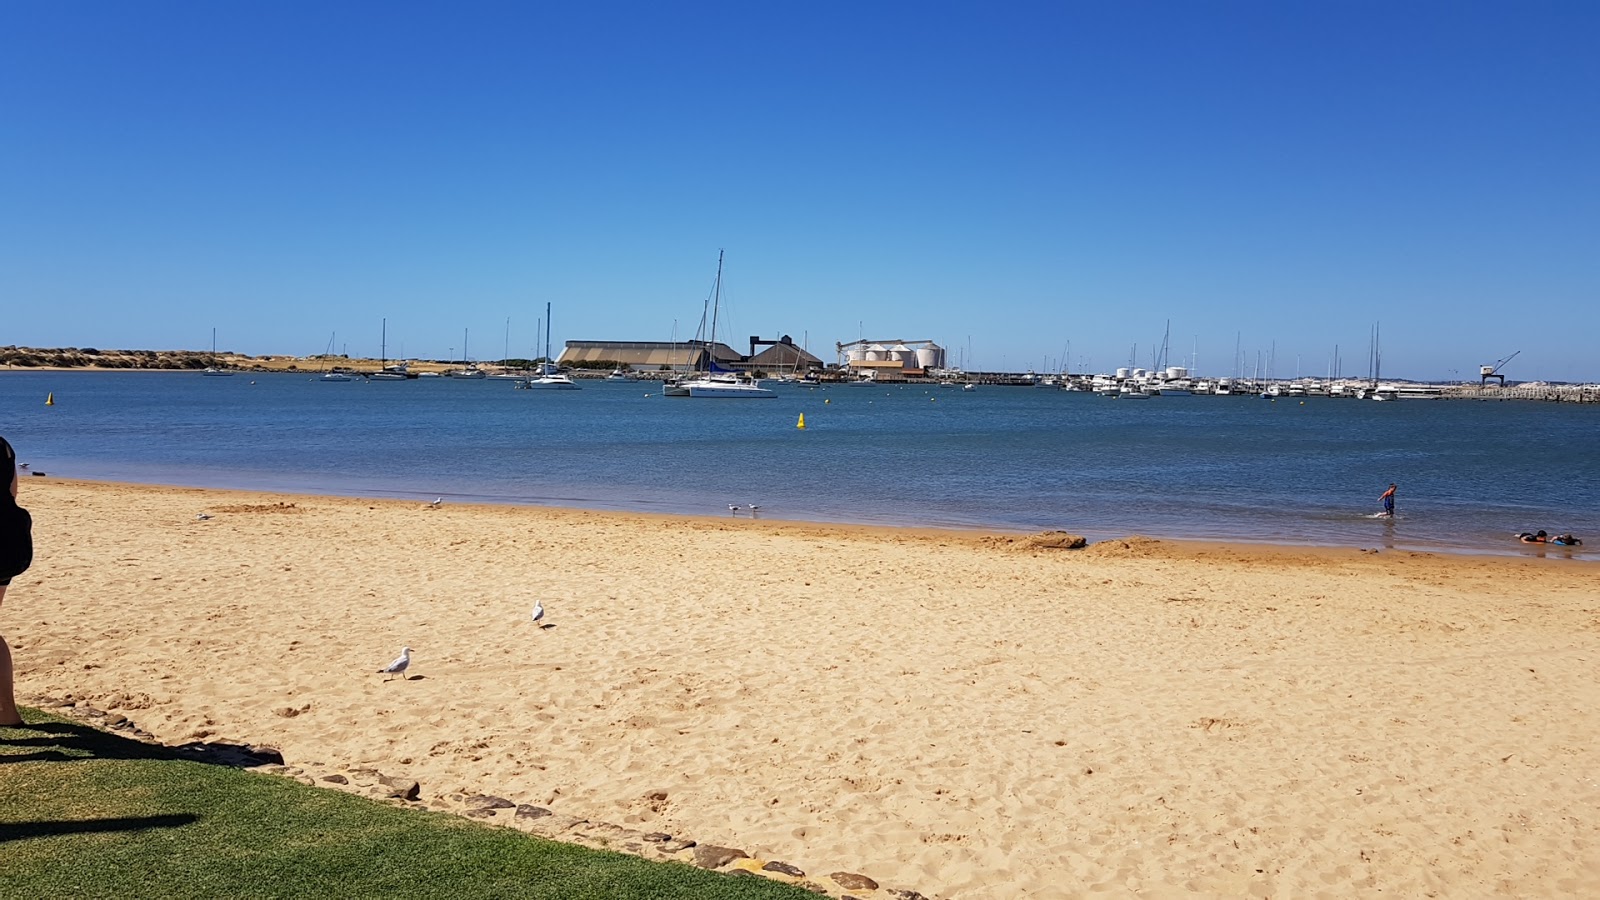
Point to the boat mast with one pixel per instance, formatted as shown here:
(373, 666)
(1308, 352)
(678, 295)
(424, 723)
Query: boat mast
(716, 306)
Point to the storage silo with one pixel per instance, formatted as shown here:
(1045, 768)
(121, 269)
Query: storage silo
(1176, 372)
(930, 357)
(856, 353)
(904, 355)
(875, 353)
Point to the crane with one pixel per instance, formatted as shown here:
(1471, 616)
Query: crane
(1488, 372)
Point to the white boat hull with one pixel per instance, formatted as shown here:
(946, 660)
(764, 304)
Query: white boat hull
(729, 391)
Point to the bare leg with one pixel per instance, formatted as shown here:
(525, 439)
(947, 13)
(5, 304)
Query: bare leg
(8, 701)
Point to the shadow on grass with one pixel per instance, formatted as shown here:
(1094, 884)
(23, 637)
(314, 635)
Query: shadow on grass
(59, 740)
(16, 831)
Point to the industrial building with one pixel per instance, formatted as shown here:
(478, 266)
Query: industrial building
(891, 359)
(780, 356)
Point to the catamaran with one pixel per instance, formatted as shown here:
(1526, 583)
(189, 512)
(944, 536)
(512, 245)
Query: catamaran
(214, 369)
(716, 382)
(550, 377)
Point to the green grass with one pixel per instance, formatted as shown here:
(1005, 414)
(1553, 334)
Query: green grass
(87, 813)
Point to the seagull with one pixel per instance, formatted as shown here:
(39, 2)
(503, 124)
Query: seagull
(203, 516)
(398, 667)
(754, 509)
(538, 613)
(733, 508)
(435, 504)
(24, 466)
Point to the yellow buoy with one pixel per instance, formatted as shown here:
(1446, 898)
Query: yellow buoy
(827, 401)
(50, 399)
(802, 423)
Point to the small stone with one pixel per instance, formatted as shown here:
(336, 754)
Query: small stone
(336, 779)
(479, 813)
(710, 856)
(851, 881)
(404, 788)
(675, 846)
(783, 868)
(531, 812)
(286, 712)
(485, 801)
(657, 837)
(115, 720)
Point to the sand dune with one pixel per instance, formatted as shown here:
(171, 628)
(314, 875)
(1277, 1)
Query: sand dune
(959, 714)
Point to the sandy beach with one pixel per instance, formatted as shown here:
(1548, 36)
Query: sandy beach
(963, 715)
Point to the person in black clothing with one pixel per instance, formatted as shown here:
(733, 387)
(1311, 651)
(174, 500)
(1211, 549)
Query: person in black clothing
(16, 554)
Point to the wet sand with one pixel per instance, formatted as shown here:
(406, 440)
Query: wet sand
(965, 715)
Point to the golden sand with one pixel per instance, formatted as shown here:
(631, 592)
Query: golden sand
(960, 714)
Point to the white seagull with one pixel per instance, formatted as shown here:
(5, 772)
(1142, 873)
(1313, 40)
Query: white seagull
(754, 509)
(538, 613)
(399, 666)
(435, 504)
(203, 516)
(733, 508)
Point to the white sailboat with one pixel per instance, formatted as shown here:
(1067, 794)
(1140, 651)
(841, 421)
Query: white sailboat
(331, 374)
(212, 369)
(720, 384)
(550, 378)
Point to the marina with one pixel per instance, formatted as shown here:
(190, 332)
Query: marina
(1288, 469)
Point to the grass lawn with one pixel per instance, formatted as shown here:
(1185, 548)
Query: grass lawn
(87, 813)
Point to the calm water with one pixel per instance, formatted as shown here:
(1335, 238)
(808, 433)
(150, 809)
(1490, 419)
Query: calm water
(1236, 468)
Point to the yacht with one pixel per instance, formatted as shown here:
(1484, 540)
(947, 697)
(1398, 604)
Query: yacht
(549, 377)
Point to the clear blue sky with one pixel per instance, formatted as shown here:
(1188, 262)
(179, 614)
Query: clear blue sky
(1009, 176)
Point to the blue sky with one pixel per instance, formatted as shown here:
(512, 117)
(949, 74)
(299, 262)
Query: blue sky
(1010, 177)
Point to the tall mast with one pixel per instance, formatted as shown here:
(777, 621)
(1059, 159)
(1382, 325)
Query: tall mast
(547, 336)
(716, 299)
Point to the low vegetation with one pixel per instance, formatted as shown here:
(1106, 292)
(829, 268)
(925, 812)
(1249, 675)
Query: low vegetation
(88, 813)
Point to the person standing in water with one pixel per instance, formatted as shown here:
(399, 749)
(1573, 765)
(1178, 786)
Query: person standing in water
(1388, 502)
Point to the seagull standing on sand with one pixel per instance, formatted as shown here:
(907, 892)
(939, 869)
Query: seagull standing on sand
(538, 613)
(399, 666)
(203, 516)
(435, 504)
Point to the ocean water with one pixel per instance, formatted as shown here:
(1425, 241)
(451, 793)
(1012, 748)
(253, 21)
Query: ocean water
(1471, 474)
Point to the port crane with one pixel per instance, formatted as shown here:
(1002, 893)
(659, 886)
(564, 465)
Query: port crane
(1488, 372)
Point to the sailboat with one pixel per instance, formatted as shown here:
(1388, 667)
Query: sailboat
(213, 369)
(714, 382)
(396, 372)
(550, 379)
(467, 370)
(332, 374)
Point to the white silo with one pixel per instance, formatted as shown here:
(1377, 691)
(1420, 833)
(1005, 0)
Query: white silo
(875, 353)
(904, 355)
(930, 357)
(856, 353)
